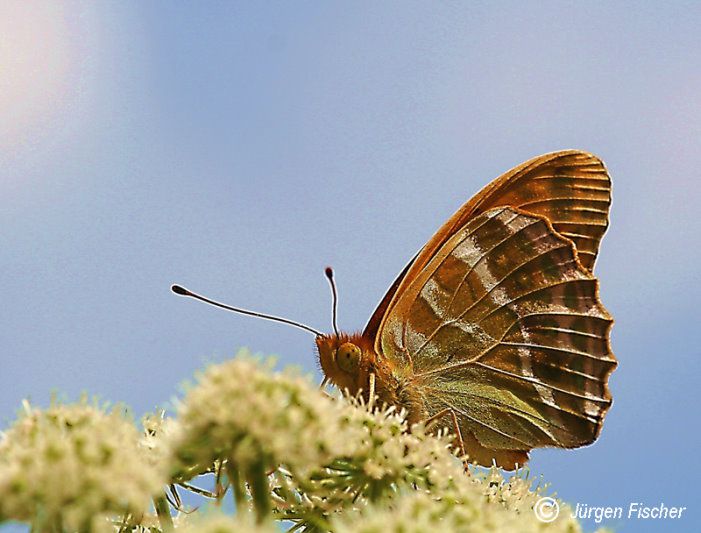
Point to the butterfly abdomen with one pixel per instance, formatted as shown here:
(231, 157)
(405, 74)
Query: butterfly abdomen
(407, 397)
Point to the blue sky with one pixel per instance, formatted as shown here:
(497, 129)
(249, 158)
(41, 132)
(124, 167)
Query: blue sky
(238, 148)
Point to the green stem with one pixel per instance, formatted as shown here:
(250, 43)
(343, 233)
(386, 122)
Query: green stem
(219, 489)
(163, 512)
(198, 490)
(236, 486)
(260, 491)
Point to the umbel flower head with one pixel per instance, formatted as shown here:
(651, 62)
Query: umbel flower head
(333, 464)
(332, 453)
(155, 439)
(250, 421)
(241, 413)
(214, 521)
(72, 467)
(472, 504)
(383, 459)
(385, 453)
(381, 455)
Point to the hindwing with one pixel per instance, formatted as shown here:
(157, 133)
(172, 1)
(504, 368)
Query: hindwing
(504, 326)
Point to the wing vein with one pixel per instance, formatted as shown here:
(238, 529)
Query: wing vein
(485, 424)
(553, 348)
(481, 298)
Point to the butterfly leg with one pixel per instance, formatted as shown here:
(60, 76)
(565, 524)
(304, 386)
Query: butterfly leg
(371, 388)
(456, 431)
(322, 387)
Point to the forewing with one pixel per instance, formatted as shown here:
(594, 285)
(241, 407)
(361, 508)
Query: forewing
(570, 188)
(373, 324)
(505, 327)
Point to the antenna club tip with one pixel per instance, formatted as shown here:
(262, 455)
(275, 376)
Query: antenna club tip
(177, 289)
(329, 272)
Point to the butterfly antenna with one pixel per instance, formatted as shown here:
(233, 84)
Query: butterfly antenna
(182, 291)
(329, 276)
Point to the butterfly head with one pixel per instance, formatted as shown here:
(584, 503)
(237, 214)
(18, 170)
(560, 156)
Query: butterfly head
(345, 359)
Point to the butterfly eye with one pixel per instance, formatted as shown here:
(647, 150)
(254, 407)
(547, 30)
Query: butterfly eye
(348, 357)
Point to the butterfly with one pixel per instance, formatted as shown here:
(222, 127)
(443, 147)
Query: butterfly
(495, 330)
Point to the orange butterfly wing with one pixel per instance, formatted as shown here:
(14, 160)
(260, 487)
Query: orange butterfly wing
(571, 188)
(498, 316)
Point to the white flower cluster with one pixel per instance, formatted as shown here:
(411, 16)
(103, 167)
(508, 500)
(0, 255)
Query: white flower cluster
(383, 458)
(389, 453)
(213, 521)
(334, 454)
(464, 508)
(518, 495)
(158, 430)
(74, 467)
(242, 413)
(286, 450)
